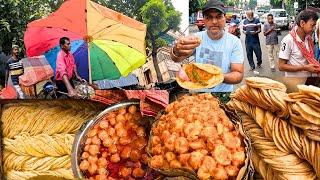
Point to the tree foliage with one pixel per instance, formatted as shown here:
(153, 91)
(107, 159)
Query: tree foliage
(275, 3)
(196, 5)
(14, 17)
(230, 2)
(252, 4)
(160, 17)
(131, 8)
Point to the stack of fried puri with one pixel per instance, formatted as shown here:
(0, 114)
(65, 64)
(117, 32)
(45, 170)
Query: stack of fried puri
(298, 136)
(305, 110)
(264, 93)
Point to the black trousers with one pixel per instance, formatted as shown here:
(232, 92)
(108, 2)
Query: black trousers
(254, 47)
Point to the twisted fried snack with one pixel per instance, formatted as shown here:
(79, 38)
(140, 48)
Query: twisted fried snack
(38, 136)
(13, 161)
(24, 175)
(46, 120)
(41, 145)
(287, 138)
(273, 163)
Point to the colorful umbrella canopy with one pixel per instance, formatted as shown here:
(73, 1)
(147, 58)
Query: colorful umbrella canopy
(106, 44)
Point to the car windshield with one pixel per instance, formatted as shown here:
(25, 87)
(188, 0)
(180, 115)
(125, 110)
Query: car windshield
(280, 14)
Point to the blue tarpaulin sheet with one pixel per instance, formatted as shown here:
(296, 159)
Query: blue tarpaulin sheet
(130, 80)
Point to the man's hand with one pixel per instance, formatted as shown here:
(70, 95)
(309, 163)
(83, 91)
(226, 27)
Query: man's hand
(273, 29)
(72, 93)
(270, 30)
(313, 68)
(80, 79)
(185, 46)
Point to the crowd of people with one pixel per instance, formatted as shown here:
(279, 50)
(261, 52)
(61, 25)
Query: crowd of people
(298, 52)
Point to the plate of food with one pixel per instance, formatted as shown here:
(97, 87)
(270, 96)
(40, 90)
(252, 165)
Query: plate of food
(199, 76)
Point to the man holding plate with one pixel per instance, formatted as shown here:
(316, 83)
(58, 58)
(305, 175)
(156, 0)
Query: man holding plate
(215, 47)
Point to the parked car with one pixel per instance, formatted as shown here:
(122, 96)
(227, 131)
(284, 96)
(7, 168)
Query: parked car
(260, 12)
(281, 18)
(199, 20)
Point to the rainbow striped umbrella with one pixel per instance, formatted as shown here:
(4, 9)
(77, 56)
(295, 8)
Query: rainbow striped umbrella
(106, 44)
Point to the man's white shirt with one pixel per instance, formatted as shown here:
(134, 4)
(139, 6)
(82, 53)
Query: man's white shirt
(290, 51)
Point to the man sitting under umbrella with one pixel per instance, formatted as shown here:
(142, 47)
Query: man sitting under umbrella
(66, 68)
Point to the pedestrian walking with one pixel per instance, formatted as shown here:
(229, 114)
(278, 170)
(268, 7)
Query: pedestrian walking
(252, 28)
(270, 31)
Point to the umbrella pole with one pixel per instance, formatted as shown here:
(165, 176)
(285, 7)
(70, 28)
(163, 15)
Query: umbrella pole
(90, 77)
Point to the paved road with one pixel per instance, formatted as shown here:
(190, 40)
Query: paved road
(265, 70)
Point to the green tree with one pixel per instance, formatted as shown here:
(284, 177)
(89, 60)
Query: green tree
(131, 8)
(14, 17)
(275, 3)
(230, 2)
(53, 4)
(196, 5)
(252, 4)
(160, 17)
(286, 4)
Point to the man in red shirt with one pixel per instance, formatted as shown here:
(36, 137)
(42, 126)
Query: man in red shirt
(66, 68)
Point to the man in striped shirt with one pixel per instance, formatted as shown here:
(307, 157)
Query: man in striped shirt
(252, 28)
(14, 69)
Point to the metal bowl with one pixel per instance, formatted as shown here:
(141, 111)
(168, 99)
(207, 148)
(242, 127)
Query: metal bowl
(80, 138)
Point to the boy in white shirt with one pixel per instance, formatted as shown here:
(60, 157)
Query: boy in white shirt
(296, 55)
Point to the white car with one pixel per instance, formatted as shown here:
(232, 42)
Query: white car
(280, 17)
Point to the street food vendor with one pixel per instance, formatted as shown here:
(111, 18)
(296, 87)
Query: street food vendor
(66, 68)
(214, 46)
